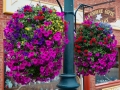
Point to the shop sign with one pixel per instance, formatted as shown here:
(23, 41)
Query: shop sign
(112, 88)
(107, 15)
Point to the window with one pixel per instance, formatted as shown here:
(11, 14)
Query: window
(114, 73)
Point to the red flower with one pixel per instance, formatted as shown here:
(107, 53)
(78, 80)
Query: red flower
(30, 10)
(76, 41)
(80, 38)
(90, 42)
(86, 55)
(36, 17)
(104, 39)
(85, 41)
(87, 25)
(25, 10)
(86, 51)
(41, 17)
(50, 11)
(93, 40)
(104, 42)
(77, 46)
(79, 51)
(100, 29)
(40, 12)
(109, 37)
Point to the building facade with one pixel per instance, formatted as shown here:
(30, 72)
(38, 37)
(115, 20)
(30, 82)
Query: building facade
(89, 81)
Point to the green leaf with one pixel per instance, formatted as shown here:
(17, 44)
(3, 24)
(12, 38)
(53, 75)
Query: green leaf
(92, 58)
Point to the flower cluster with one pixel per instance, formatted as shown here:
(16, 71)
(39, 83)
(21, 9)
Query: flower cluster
(35, 41)
(95, 48)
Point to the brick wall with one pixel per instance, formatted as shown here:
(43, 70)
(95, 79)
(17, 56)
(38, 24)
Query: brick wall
(4, 18)
(117, 36)
(91, 2)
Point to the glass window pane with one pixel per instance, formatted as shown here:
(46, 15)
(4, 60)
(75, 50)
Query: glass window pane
(112, 75)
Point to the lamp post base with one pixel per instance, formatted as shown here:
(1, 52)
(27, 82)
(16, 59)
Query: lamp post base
(68, 82)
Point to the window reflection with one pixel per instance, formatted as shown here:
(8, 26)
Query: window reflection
(112, 75)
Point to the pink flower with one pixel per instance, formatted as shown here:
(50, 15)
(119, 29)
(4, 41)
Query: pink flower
(22, 67)
(15, 15)
(46, 34)
(44, 55)
(66, 40)
(50, 32)
(47, 23)
(30, 46)
(18, 45)
(48, 42)
(61, 14)
(21, 15)
(57, 36)
(29, 64)
(31, 54)
(17, 74)
(10, 74)
(35, 61)
(35, 42)
(50, 64)
(42, 49)
(42, 69)
(14, 68)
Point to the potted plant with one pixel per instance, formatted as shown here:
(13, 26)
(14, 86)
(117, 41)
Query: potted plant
(34, 44)
(95, 48)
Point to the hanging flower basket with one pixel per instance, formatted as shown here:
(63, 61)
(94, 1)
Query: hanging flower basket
(95, 48)
(35, 41)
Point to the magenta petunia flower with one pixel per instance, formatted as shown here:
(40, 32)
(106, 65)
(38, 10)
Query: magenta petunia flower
(31, 54)
(42, 69)
(21, 15)
(18, 45)
(21, 25)
(10, 74)
(57, 36)
(48, 42)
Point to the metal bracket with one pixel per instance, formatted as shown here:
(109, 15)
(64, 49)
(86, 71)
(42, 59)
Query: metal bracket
(81, 6)
(69, 12)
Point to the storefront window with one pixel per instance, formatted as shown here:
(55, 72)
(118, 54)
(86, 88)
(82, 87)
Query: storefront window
(112, 75)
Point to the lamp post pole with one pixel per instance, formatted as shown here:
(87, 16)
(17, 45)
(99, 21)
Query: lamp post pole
(68, 78)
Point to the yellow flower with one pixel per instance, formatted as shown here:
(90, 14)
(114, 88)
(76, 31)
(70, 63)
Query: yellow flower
(52, 28)
(57, 21)
(61, 27)
(53, 22)
(27, 28)
(61, 30)
(38, 26)
(22, 42)
(55, 30)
